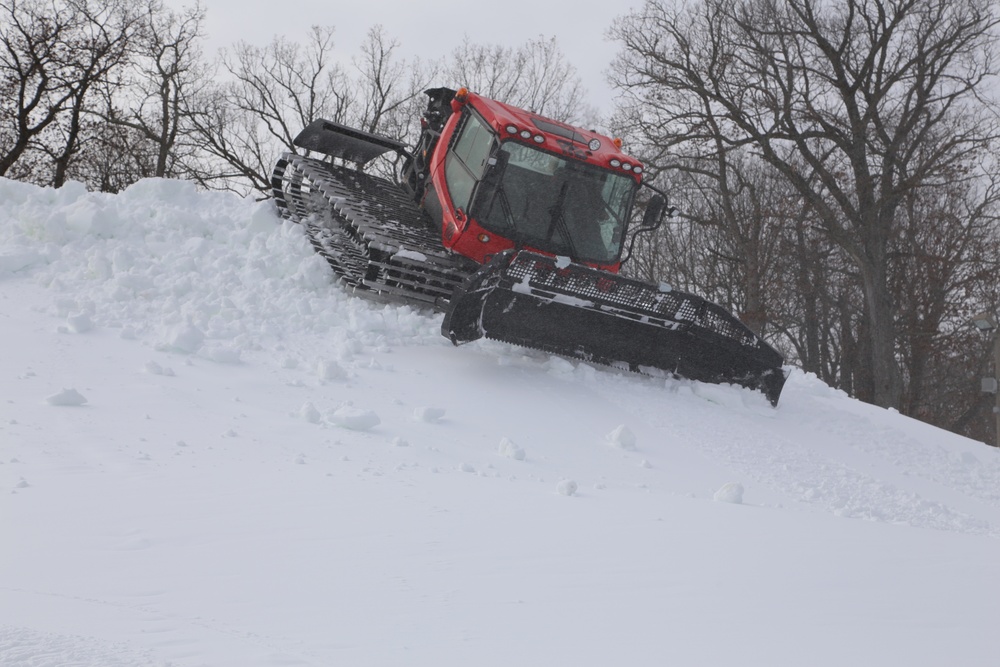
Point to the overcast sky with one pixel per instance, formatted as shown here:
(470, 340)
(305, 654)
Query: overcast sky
(431, 29)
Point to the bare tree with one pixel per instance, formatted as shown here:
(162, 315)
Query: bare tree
(98, 50)
(34, 37)
(273, 92)
(855, 103)
(148, 109)
(54, 56)
(533, 76)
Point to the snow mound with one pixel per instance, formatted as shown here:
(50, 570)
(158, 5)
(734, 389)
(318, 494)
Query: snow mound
(68, 397)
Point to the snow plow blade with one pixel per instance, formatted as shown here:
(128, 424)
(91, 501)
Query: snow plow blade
(572, 310)
(336, 140)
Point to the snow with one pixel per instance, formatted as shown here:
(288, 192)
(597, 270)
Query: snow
(509, 450)
(731, 492)
(403, 253)
(212, 455)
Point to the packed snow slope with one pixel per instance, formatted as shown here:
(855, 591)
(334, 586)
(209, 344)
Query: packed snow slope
(212, 455)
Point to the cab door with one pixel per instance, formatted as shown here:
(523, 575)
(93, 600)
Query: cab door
(465, 164)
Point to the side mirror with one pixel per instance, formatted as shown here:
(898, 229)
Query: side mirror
(653, 217)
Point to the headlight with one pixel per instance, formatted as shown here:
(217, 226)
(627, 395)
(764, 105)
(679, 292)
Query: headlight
(616, 163)
(511, 129)
(595, 144)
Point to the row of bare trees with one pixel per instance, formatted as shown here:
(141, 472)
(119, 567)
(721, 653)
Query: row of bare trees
(834, 162)
(111, 91)
(94, 90)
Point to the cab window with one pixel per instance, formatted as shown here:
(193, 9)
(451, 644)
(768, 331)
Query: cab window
(467, 160)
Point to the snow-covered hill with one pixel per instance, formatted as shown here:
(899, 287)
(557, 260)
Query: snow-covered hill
(209, 455)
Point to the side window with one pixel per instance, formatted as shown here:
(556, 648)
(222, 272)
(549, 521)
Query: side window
(467, 159)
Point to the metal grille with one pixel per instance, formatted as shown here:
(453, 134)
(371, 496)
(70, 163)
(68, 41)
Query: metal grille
(629, 298)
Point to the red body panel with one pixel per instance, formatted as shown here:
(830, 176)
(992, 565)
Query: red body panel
(464, 235)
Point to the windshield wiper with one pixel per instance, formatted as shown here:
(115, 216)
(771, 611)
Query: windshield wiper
(558, 221)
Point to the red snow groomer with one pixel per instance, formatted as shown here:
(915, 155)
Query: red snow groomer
(515, 226)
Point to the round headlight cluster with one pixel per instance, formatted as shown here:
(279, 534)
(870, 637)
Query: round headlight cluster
(525, 134)
(625, 166)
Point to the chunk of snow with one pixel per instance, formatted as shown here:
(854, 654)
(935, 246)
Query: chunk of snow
(622, 438)
(67, 397)
(566, 487)
(187, 338)
(309, 413)
(731, 492)
(562, 261)
(224, 355)
(154, 368)
(79, 323)
(510, 450)
(559, 366)
(355, 419)
(327, 369)
(429, 415)
(467, 467)
(402, 253)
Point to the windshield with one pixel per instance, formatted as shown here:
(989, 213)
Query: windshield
(554, 204)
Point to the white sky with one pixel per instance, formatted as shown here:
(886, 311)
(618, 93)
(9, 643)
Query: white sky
(431, 29)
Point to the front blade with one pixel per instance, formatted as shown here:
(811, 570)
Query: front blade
(334, 139)
(536, 301)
